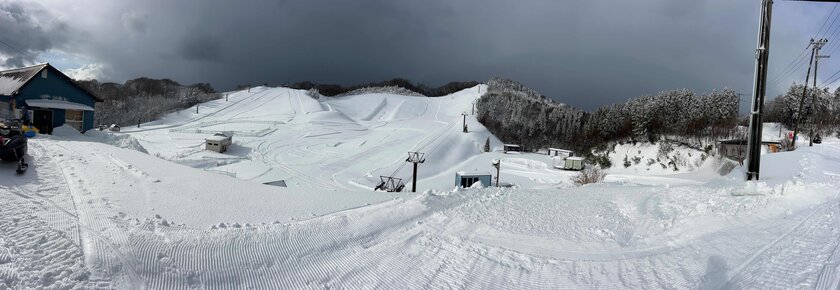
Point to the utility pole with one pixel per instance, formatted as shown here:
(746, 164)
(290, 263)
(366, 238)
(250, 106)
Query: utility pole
(799, 113)
(465, 121)
(196, 108)
(762, 54)
(815, 50)
(497, 164)
(817, 57)
(416, 158)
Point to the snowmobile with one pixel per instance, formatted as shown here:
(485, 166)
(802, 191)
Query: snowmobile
(13, 144)
(817, 139)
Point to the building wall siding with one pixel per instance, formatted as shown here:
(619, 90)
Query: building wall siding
(58, 118)
(88, 120)
(56, 87)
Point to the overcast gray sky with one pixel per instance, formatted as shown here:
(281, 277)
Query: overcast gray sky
(586, 53)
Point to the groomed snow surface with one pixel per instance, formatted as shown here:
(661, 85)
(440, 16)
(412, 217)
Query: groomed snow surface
(151, 209)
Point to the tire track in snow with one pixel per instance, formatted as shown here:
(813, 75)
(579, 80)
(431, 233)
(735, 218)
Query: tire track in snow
(39, 256)
(100, 220)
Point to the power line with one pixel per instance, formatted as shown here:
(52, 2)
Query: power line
(826, 21)
(787, 74)
(799, 60)
(6, 43)
(791, 63)
(829, 80)
(831, 47)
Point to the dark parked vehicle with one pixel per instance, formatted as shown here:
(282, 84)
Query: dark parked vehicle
(13, 143)
(817, 139)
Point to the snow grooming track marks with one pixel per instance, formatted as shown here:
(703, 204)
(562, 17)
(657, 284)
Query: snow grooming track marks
(38, 255)
(92, 216)
(773, 266)
(263, 155)
(135, 130)
(784, 262)
(39, 228)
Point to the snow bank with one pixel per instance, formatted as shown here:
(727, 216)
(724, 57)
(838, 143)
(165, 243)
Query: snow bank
(116, 139)
(661, 158)
(66, 132)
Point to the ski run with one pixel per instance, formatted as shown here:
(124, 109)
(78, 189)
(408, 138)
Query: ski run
(149, 208)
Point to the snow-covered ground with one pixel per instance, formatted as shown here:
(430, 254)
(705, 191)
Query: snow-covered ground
(343, 143)
(90, 214)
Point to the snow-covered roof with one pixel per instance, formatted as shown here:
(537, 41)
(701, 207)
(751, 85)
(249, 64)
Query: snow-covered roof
(217, 138)
(744, 142)
(575, 158)
(560, 150)
(12, 80)
(57, 104)
(511, 145)
(462, 173)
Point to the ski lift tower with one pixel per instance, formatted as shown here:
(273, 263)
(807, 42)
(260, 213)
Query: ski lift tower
(390, 184)
(497, 163)
(416, 158)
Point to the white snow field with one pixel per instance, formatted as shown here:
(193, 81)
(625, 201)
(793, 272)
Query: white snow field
(89, 214)
(342, 143)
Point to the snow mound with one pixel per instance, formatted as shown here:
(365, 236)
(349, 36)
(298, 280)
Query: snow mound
(661, 158)
(66, 132)
(116, 139)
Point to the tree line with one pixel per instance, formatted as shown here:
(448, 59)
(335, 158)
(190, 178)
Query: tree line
(144, 99)
(517, 114)
(332, 90)
(820, 109)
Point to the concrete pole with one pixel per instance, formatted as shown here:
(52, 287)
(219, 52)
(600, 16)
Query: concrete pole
(759, 91)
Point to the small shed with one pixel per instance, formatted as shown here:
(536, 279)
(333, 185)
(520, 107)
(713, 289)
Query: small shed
(218, 142)
(573, 163)
(563, 153)
(736, 149)
(467, 179)
(512, 148)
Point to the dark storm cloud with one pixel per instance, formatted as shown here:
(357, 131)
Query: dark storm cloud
(27, 30)
(134, 23)
(584, 52)
(200, 47)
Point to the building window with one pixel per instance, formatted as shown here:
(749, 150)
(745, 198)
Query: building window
(44, 74)
(468, 181)
(74, 118)
(5, 112)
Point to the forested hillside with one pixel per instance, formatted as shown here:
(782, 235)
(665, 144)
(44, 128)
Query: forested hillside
(819, 107)
(517, 114)
(143, 99)
(332, 90)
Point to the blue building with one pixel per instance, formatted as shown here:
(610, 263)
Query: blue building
(467, 179)
(46, 98)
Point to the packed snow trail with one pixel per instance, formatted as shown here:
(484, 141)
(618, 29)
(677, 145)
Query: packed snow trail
(92, 215)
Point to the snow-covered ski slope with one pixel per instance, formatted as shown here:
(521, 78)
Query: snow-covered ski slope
(91, 215)
(343, 143)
